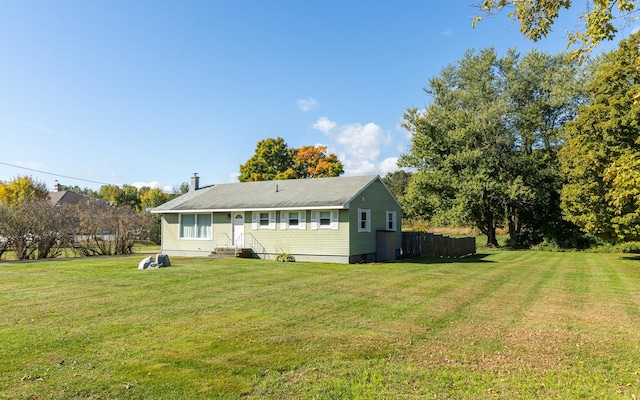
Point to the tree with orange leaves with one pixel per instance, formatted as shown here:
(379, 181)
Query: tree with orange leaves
(313, 162)
(275, 160)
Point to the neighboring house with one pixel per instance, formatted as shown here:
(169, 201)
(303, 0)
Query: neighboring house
(59, 197)
(342, 220)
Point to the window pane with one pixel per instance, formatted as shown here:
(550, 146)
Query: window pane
(293, 219)
(264, 219)
(204, 226)
(188, 226)
(325, 218)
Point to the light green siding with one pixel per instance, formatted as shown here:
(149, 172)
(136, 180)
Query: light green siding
(379, 200)
(344, 244)
(173, 245)
(323, 241)
(222, 230)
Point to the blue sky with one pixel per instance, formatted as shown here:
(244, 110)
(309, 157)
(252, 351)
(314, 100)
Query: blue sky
(148, 92)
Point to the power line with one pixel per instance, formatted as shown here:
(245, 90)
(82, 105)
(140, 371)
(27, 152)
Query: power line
(58, 175)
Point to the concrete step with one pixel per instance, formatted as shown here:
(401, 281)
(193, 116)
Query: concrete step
(229, 252)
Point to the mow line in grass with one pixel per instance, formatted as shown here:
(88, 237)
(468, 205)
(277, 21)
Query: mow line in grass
(506, 324)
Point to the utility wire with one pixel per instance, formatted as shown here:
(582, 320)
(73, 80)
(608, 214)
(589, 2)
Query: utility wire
(58, 175)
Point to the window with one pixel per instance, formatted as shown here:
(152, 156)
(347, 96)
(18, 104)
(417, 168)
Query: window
(391, 220)
(325, 219)
(195, 226)
(293, 220)
(263, 220)
(364, 220)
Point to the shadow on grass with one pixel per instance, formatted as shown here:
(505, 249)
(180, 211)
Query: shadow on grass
(477, 258)
(632, 258)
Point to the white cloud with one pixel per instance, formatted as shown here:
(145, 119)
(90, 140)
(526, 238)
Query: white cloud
(446, 32)
(324, 125)
(389, 165)
(308, 104)
(358, 146)
(152, 185)
(167, 189)
(362, 141)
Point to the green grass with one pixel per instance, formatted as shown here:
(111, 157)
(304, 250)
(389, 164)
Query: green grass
(507, 324)
(138, 248)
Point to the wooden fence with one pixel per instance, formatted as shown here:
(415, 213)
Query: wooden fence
(416, 244)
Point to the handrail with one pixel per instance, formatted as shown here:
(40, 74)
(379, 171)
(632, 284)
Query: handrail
(235, 243)
(255, 245)
(229, 241)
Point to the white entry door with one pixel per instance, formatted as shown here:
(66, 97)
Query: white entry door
(238, 229)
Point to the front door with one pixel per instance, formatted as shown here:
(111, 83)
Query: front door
(237, 230)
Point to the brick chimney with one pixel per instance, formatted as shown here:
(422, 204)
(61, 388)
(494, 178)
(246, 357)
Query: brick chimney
(195, 182)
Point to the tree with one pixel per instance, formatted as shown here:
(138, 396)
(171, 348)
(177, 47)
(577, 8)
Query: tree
(544, 92)
(460, 141)
(107, 230)
(110, 193)
(274, 160)
(537, 17)
(313, 162)
(152, 197)
(21, 188)
(127, 195)
(35, 228)
(181, 189)
(397, 182)
(485, 148)
(601, 157)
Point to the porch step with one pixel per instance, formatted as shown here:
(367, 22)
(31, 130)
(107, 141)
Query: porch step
(229, 252)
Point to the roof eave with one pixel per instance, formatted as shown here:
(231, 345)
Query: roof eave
(213, 210)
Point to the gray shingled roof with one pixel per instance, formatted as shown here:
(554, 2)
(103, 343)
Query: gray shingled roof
(285, 194)
(65, 197)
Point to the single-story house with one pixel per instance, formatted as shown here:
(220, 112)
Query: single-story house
(343, 220)
(60, 197)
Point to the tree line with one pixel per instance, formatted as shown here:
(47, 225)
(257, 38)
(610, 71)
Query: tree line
(539, 144)
(104, 222)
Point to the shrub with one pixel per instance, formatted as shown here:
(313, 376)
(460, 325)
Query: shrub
(285, 257)
(629, 247)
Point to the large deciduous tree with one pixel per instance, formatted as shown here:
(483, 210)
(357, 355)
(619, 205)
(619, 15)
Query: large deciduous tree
(21, 188)
(29, 224)
(601, 158)
(536, 17)
(35, 228)
(106, 229)
(313, 162)
(485, 148)
(274, 160)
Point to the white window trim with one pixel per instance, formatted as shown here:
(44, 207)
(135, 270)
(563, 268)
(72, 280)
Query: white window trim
(367, 227)
(255, 220)
(196, 226)
(393, 220)
(302, 220)
(334, 218)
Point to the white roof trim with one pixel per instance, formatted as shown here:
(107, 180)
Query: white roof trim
(202, 211)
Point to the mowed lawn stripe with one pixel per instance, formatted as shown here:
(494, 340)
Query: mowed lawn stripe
(504, 324)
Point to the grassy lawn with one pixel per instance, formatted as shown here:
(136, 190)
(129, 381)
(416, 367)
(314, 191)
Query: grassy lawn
(138, 248)
(505, 324)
